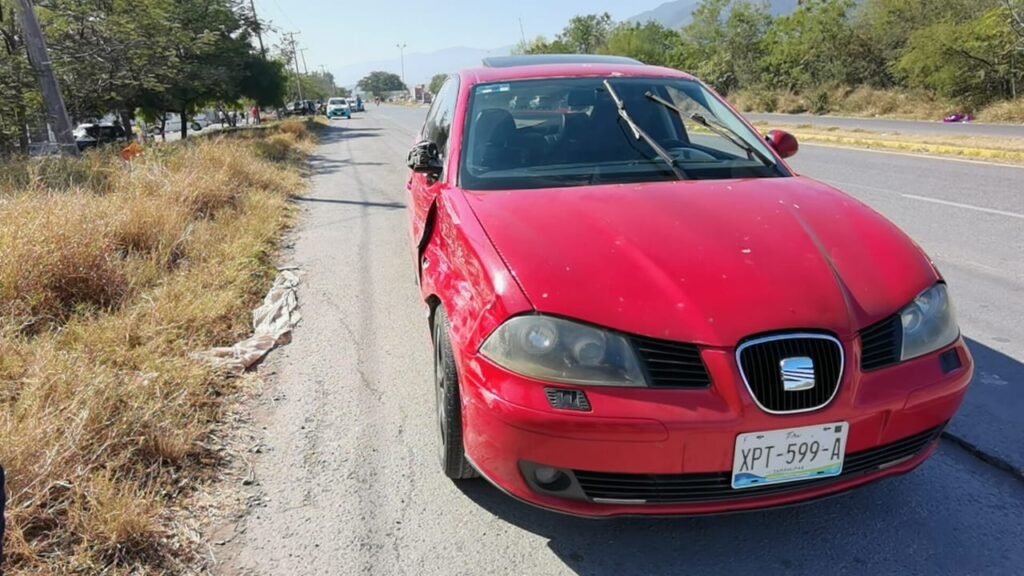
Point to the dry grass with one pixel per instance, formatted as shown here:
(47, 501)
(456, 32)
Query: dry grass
(863, 102)
(867, 102)
(109, 277)
(1011, 111)
(1001, 150)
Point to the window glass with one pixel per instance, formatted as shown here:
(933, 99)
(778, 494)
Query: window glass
(439, 121)
(449, 95)
(568, 131)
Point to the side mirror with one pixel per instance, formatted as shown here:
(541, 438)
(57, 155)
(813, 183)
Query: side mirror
(425, 159)
(783, 142)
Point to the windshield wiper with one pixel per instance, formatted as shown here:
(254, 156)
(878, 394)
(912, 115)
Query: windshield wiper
(716, 127)
(639, 134)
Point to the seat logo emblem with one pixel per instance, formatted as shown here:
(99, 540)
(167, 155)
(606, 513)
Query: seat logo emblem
(797, 373)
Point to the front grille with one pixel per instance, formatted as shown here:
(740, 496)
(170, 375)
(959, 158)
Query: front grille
(717, 486)
(881, 344)
(671, 364)
(760, 364)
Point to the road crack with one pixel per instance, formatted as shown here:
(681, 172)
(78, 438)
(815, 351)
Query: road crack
(992, 460)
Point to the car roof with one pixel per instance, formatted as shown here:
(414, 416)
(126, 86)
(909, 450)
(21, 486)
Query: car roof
(563, 66)
(542, 59)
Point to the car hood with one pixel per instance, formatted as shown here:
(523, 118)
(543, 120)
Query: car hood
(709, 262)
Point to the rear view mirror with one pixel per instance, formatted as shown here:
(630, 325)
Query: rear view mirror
(425, 159)
(581, 98)
(783, 143)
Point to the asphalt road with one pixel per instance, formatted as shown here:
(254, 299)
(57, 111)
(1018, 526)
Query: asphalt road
(899, 126)
(348, 480)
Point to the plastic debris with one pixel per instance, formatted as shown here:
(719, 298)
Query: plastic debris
(272, 325)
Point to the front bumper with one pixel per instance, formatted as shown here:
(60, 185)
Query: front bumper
(664, 435)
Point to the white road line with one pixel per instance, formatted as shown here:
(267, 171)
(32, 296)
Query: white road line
(838, 184)
(967, 206)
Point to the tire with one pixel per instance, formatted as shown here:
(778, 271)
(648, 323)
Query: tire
(448, 403)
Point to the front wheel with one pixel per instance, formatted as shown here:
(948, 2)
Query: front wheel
(448, 403)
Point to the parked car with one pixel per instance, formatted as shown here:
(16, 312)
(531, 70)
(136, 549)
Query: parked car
(301, 108)
(338, 108)
(92, 135)
(172, 124)
(200, 121)
(356, 104)
(637, 306)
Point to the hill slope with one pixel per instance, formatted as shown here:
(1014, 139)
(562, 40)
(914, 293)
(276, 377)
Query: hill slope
(676, 14)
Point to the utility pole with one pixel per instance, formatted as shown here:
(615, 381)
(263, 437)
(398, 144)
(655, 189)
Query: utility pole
(40, 60)
(259, 28)
(401, 52)
(295, 59)
(522, 33)
(305, 70)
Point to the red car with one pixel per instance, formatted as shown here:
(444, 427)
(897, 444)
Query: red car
(637, 307)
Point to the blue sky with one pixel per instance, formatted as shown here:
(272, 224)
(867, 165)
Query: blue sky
(339, 33)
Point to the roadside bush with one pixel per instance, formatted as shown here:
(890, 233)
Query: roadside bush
(872, 102)
(820, 102)
(107, 282)
(1008, 111)
(755, 100)
(791, 103)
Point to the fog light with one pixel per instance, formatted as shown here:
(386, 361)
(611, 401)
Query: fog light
(564, 399)
(551, 479)
(545, 475)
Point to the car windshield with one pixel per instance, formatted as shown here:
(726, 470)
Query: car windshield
(570, 132)
(336, 101)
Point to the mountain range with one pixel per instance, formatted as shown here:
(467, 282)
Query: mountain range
(678, 13)
(419, 67)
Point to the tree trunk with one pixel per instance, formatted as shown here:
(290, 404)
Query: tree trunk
(126, 123)
(163, 127)
(19, 117)
(184, 124)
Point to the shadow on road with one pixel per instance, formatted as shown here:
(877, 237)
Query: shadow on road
(319, 164)
(390, 205)
(896, 524)
(990, 416)
(340, 131)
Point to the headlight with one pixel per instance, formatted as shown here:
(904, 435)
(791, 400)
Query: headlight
(929, 323)
(558, 350)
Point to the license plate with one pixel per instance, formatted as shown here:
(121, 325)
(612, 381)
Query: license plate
(778, 456)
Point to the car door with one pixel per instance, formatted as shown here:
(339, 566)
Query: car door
(437, 129)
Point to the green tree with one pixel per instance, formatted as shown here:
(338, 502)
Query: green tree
(973, 62)
(107, 53)
(723, 44)
(586, 34)
(379, 83)
(436, 81)
(883, 29)
(264, 81)
(541, 45)
(650, 43)
(19, 96)
(811, 48)
(211, 48)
